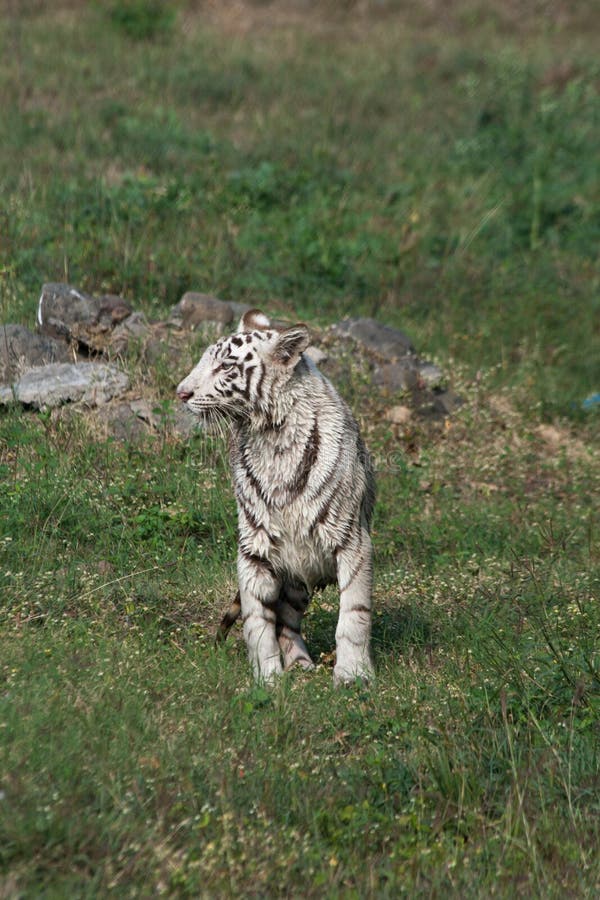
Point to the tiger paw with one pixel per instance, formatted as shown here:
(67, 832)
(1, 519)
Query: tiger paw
(344, 677)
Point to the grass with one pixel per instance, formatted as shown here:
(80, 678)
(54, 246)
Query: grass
(442, 175)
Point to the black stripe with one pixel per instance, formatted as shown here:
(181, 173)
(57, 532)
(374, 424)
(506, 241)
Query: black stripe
(322, 514)
(328, 474)
(259, 383)
(258, 561)
(353, 575)
(345, 542)
(254, 523)
(297, 604)
(251, 518)
(309, 458)
(246, 391)
(254, 482)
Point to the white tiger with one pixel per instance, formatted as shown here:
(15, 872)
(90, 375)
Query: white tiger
(305, 492)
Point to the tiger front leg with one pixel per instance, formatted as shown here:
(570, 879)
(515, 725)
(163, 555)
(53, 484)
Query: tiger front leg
(353, 633)
(259, 596)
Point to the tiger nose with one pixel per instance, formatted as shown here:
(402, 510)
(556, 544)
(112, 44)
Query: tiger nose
(184, 395)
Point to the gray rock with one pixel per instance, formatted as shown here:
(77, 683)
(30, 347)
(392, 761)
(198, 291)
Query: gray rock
(194, 309)
(123, 422)
(86, 382)
(317, 355)
(446, 402)
(162, 345)
(64, 311)
(407, 374)
(185, 423)
(378, 339)
(397, 376)
(238, 310)
(20, 349)
(429, 374)
(134, 327)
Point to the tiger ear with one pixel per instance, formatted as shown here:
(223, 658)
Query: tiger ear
(290, 344)
(254, 320)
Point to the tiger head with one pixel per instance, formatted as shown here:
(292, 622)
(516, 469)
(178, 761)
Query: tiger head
(239, 375)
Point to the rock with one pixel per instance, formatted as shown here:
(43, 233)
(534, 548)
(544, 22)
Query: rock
(396, 376)
(185, 423)
(437, 404)
(317, 355)
(429, 375)
(162, 347)
(135, 326)
(398, 415)
(407, 374)
(238, 310)
(145, 411)
(378, 339)
(135, 420)
(65, 312)
(447, 402)
(86, 382)
(20, 349)
(194, 309)
(119, 421)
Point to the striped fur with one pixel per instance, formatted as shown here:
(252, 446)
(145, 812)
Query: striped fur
(304, 489)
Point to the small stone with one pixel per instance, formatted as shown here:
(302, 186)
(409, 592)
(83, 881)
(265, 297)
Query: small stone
(119, 421)
(47, 386)
(398, 415)
(134, 327)
(429, 374)
(195, 308)
(446, 402)
(185, 423)
(317, 355)
(396, 376)
(20, 349)
(238, 310)
(382, 340)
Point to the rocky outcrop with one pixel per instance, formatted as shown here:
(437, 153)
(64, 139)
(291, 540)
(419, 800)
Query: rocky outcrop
(53, 367)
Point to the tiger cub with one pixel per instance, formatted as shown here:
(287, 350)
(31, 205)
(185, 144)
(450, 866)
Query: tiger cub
(304, 488)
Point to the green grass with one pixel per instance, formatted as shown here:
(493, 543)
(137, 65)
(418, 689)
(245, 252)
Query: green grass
(441, 173)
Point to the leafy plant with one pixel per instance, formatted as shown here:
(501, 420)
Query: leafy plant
(143, 19)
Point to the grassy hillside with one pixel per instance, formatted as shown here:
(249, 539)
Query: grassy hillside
(436, 167)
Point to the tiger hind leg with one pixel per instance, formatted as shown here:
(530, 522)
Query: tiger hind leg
(292, 605)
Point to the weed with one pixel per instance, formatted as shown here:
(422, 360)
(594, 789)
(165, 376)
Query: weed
(143, 19)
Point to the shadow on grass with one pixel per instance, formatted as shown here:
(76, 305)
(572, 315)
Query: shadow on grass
(395, 629)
